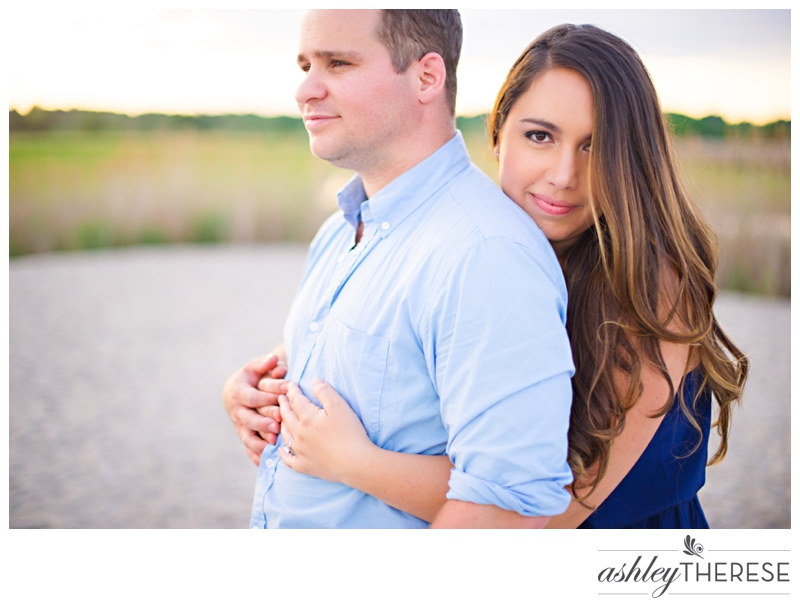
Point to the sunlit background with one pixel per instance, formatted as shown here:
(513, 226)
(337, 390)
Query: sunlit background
(159, 140)
(96, 178)
(735, 63)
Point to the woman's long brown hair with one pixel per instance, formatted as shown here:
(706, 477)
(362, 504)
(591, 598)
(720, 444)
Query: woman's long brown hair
(644, 272)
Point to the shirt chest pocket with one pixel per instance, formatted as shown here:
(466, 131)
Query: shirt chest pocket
(356, 367)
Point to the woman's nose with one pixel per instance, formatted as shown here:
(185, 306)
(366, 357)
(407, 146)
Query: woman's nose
(565, 171)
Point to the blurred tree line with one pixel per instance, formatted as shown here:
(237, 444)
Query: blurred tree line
(81, 120)
(715, 126)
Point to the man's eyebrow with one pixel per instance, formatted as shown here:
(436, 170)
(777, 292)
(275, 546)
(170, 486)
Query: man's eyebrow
(542, 123)
(345, 55)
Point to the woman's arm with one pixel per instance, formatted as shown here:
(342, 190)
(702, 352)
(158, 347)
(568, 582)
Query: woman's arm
(331, 443)
(639, 430)
(413, 483)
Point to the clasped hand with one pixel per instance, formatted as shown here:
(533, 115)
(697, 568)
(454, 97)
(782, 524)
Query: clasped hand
(328, 442)
(251, 400)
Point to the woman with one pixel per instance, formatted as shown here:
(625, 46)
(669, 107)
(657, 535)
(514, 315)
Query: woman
(583, 149)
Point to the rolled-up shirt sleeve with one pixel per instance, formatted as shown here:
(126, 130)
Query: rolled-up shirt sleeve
(502, 367)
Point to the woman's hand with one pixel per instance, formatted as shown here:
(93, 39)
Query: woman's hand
(331, 444)
(328, 443)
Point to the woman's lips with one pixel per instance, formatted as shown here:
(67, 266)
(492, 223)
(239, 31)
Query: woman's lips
(551, 206)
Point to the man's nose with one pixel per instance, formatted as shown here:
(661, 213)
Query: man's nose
(311, 88)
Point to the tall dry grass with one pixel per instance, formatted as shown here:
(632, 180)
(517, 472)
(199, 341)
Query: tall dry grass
(74, 190)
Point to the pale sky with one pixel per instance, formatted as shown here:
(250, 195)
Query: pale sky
(735, 63)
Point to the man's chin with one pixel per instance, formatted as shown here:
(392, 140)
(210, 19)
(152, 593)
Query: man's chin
(338, 158)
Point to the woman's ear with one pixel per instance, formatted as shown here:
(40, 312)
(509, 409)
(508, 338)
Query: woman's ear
(432, 76)
(497, 151)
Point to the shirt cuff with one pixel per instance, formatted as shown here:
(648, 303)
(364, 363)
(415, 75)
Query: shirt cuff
(533, 499)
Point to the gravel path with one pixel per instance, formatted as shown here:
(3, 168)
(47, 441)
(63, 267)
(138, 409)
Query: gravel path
(117, 361)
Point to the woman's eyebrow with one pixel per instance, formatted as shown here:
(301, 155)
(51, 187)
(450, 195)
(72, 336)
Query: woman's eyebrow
(542, 123)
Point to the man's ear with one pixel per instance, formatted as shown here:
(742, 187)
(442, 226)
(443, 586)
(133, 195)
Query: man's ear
(432, 75)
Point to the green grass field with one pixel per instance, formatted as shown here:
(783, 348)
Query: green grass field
(80, 190)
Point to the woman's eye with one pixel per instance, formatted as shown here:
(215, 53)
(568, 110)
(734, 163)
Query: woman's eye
(538, 136)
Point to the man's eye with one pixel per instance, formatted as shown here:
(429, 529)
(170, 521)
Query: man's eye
(305, 67)
(336, 63)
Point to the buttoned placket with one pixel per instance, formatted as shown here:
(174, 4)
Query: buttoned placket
(264, 480)
(347, 262)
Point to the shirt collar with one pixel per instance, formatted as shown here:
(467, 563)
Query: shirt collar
(350, 198)
(398, 199)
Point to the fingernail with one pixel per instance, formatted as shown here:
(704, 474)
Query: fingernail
(283, 386)
(317, 383)
(274, 428)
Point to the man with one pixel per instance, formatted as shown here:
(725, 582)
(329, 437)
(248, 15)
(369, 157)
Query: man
(431, 303)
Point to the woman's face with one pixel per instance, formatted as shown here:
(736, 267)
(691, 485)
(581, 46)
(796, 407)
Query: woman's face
(543, 150)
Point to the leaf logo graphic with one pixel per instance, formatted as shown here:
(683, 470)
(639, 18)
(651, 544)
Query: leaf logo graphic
(692, 548)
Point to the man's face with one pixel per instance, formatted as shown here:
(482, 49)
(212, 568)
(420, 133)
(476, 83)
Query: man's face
(355, 106)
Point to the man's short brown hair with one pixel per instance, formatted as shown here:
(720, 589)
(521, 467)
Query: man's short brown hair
(410, 34)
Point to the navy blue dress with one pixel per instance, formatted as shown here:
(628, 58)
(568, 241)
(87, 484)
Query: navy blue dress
(660, 491)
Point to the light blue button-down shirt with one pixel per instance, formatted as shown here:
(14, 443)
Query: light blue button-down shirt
(444, 330)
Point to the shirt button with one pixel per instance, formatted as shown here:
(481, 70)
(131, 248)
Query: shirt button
(269, 463)
(385, 225)
(254, 527)
(314, 326)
